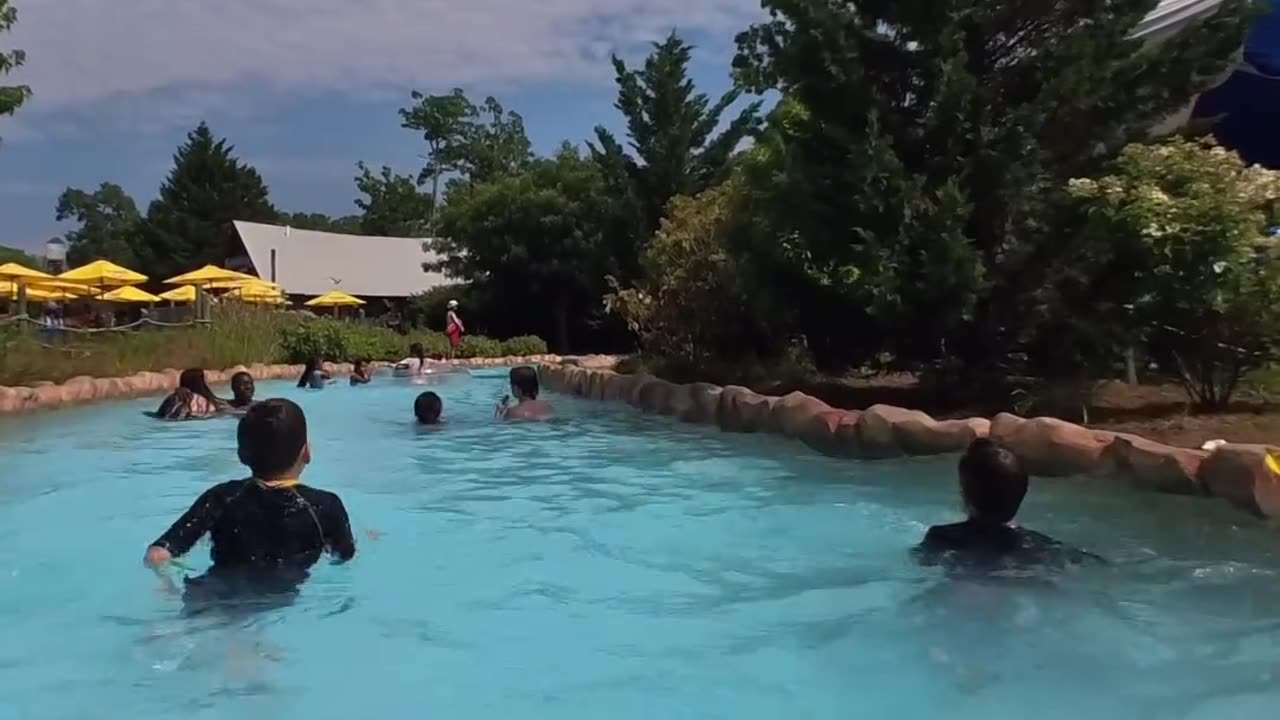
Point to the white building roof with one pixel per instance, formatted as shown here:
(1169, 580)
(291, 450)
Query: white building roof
(310, 262)
(1170, 16)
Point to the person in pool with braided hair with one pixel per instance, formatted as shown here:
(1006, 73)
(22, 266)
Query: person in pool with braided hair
(267, 530)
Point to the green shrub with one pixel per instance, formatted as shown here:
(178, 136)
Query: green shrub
(338, 341)
(524, 345)
(479, 346)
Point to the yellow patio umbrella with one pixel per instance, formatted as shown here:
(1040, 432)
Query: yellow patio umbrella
(334, 298)
(103, 274)
(207, 275)
(68, 287)
(184, 294)
(256, 289)
(236, 284)
(36, 293)
(130, 294)
(21, 273)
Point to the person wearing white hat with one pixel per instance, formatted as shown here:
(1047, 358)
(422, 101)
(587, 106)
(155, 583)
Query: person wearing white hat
(453, 328)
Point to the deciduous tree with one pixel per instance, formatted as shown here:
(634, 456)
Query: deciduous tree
(392, 204)
(110, 225)
(933, 143)
(12, 97)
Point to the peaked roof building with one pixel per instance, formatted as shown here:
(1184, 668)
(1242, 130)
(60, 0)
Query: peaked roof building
(310, 262)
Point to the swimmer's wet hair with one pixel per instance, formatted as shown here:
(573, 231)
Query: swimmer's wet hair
(271, 435)
(239, 375)
(427, 408)
(992, 481)
(525, 379)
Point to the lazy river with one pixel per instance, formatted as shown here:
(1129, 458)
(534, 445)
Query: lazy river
(609, 564)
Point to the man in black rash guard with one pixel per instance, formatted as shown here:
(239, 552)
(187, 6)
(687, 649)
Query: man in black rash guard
(268, 530)
(993, 485)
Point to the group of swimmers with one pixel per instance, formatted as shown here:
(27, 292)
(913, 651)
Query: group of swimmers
(269, 529)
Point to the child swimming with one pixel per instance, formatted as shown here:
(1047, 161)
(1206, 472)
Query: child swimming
(267, 530)
(524, 386)
(427, 408)
(993, 485)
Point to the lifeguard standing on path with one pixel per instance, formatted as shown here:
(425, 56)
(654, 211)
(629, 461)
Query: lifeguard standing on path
(453, 328)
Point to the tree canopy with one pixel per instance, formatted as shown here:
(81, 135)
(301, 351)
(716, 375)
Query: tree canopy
(12, 97)
(672, 134)
(534, 238)
(110, 225)
(925, 165)
(189, 224)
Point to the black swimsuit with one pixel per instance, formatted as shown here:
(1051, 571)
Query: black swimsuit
(982, 547)
(265, 540)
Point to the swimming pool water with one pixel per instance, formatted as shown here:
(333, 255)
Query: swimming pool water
(608, 565)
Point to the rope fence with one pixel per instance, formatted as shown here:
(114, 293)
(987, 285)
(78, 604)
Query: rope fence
(27, 319)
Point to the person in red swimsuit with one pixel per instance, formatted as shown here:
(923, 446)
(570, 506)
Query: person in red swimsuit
(453, 328)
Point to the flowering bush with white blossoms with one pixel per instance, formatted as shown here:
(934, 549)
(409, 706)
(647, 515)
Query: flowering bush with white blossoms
(1191, 221)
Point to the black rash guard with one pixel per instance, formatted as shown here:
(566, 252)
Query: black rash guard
(264, 539)
(979, 546)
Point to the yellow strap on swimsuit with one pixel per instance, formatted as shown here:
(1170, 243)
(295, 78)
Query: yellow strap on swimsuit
(278, 484)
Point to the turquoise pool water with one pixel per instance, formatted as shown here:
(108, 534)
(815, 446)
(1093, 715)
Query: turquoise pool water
(612, 565)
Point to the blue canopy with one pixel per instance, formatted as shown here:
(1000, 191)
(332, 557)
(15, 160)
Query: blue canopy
(1248, 103)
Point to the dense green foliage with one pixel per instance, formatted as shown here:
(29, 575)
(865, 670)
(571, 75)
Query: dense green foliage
(189, 224)
(941, 187)
(339, 341)
(110, 225)
(923, 177)
(1188, 269)
(12, 97)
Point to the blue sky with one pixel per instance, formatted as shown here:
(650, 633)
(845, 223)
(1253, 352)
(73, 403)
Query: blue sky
(305, 88)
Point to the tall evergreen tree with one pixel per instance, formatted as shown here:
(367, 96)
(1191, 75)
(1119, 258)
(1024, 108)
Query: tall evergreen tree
(933, 140)
(672, 132)
(189, 224)
(11, 96)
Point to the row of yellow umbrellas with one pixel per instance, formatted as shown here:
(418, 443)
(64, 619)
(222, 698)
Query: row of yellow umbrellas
(103, 274)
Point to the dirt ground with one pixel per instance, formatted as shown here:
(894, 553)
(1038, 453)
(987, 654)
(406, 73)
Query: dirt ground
(1157, 412)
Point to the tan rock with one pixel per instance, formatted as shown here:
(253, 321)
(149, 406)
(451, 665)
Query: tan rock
(1152, 466)
(1048, 446)
(822, 431)
(791, 413)
(877, 438)
(704, 401)
(744, 410)
(937, 437)
(9, 402)
(47, 397)
(1239, 474)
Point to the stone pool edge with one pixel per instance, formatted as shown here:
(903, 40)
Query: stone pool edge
(1047, 446)
(85, 389)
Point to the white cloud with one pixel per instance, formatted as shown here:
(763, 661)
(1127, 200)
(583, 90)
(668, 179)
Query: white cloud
(178, 59)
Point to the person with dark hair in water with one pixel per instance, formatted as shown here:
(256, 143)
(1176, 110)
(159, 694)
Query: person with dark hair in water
(524, 386)
(242, 389)
(993, 484)
(191, 400)
(314, 375)
(268, 530)
(427, 407)
(360, 373)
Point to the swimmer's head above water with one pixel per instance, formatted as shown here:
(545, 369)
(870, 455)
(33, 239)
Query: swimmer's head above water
(993, 482)
(193, 379)
(242, 389)
(272, 438)
(427, 407)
